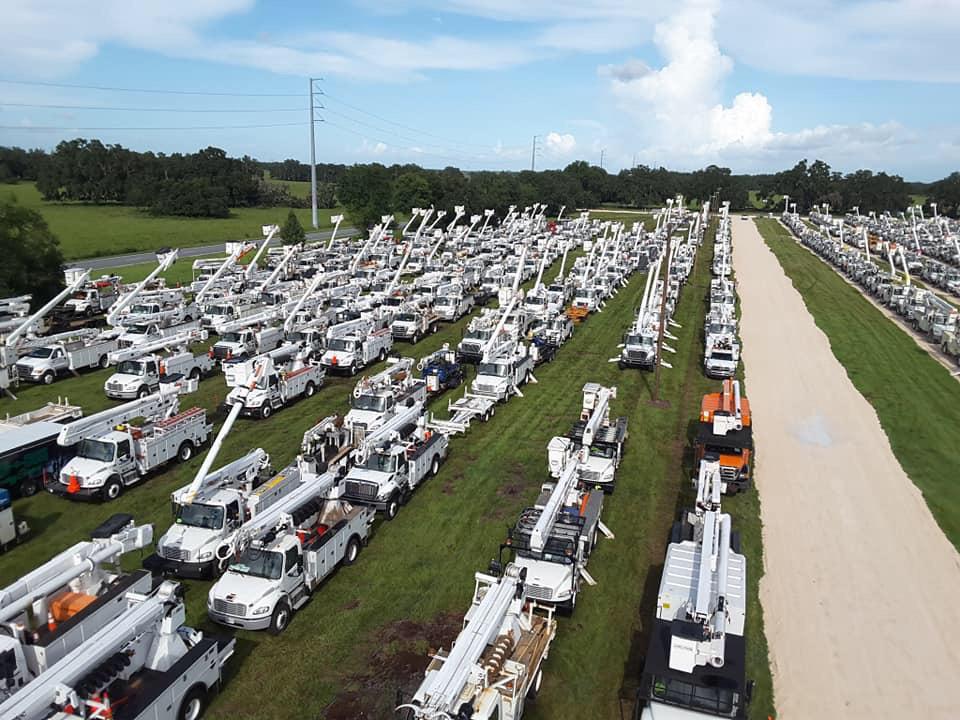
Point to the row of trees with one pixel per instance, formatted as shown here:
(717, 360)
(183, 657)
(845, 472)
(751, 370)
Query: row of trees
(209, 183)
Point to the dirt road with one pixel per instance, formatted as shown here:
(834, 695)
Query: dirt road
(861, 586)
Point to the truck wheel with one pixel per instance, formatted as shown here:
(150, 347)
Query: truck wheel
(113, 489)
(435, 466)
(103, 362)
(353, 369)
(382, 356)
(48, 377)
(193, 704)
(416, 337)
(280, 618)
(185, 452)
(353, 549)
(195, 374)
(266, 411)
(534, 688)
(309, 390)
(393, 506)
(28, 488)
(142, 392)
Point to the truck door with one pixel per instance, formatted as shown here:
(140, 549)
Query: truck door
(59, 359)
(125, 462)
(292, 571)
(234, 519)
(151, 372)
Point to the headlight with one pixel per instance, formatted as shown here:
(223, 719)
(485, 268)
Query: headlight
(262, 610)
(92, 482)
(206, 556)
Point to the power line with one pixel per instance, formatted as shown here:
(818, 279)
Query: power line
(194, 127)
(401, 125)
(144, 90)
(3, 103)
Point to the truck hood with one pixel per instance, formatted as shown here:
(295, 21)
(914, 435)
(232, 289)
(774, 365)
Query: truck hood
(662, 711)
(368, 418)
(342, 357)
(83, 468)
(555, 576)
(74, 303)
(246, 589)
(124, 378)
(190, 538)
(33, 362)
(363, 474)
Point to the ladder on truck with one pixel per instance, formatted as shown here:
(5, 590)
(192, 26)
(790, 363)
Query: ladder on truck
(162, 404)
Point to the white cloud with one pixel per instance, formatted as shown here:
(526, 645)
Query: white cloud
(678, 111)
(559, 145)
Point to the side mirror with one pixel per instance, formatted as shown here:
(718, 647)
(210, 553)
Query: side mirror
(748, 692)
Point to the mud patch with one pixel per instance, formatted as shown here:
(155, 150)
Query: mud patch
(352, 605)
(397, 664)
(449, 485)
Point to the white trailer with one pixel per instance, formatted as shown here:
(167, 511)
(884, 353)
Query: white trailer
(113, 454)
(57, 607)
(145, 665)
(495, 666)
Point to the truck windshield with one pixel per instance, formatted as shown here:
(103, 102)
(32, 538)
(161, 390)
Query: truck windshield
(129, 367)
(40, 353)
(478, 335)
(142, 309)
(219, 310)
(492, 369)
(535, 300)
(369, 402)
(259, 563)
(603, 451)
(379, 463)
(714, 698)
(406, 317)
(340, 344)
(721, 356)
(137, 329)
(198, 515)
(231, 337)
(96, 450)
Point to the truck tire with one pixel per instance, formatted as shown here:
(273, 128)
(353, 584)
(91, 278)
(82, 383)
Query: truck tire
(112, 489)
(265, 411)
(435, 466)
(185, 451)
(193, 704)
(353, 369)
(48, 377)
(353, 549)
(416, 337)
(393, 506)
(103, 362)
(195, 374)
(280, 618)
(142, 392)
(382, 356)
(309, 390)
(28, 487)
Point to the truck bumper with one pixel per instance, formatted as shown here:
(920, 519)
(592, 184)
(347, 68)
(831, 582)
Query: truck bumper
(121, 394)
(83, 494)
(194, 571)
(641, 364)
(257, 623)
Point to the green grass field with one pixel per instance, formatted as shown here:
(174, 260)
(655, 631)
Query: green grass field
(297, 188)
(367, 632)
(917, 401)
(627, 218)
(97, 230)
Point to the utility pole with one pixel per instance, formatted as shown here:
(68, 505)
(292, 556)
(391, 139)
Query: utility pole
(313, 164)
(601, 157)
(533, 154)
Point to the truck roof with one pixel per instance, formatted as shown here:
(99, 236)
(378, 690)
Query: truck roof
(32, 434)
(713, 402)
(742, 438)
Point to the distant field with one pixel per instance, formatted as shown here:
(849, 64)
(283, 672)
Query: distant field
(627, 217)
(297, 188)
(97, 230)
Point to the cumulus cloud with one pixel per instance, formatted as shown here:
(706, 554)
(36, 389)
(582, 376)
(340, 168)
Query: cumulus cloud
(559, 145)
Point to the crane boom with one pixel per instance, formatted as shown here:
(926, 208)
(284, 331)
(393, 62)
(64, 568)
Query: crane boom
(599, 412)
(548, 516)
(69, 565)
(166, 261)
(201, 477)
(163, 402)
(287, 254)
(252, 267)
(164, 343)
(27, 324)
(229, 262)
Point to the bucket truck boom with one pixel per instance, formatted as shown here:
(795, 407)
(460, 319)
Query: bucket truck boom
(165, 263)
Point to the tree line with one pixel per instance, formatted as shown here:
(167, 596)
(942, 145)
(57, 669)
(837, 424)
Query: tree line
(209, 182)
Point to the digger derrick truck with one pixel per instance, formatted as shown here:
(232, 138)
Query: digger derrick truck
(385, 474)
(601, 439)
(495, 666)
(113, 453)
(553, 539)
(354, 344)
(695, 663)
(282, 556)
(145, 665)
(271, 381)
(57, 607)
(141, 369)
(440, 370)
(725, 433)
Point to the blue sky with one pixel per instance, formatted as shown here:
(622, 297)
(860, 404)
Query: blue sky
(750, 84)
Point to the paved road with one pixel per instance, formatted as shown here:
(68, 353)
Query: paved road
(856, 568)
(113, 261)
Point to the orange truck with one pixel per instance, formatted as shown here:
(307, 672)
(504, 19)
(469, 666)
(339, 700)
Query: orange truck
(725, 433)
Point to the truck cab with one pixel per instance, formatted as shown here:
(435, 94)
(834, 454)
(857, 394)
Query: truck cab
(722, 358)
(498, 378)
(134, 378)
(470, 349)
(639, 350)
(43, 364)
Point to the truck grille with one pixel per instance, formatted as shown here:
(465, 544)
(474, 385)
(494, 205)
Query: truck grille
(539, 593)
(485, 389)
(639, 355)
(229, 608)
(115, 386)
(360, 490)
(175, 553)
(23, 370)
(728, 474)
(589, 476)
